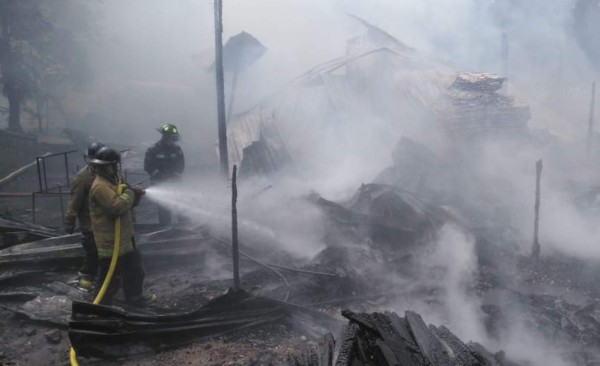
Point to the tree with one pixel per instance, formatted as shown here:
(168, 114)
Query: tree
(39, 55)
(586, 24)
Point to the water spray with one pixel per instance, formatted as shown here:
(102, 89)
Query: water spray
(203, 208)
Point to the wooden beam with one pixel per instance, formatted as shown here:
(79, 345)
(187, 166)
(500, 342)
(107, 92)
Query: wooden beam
(234, 231)
(590, 136)
(535, 250)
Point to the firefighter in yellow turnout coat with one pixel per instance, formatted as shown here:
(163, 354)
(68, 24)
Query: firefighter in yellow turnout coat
(78, 210)
(106, 205)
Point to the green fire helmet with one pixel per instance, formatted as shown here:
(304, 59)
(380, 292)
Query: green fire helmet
(169, 131)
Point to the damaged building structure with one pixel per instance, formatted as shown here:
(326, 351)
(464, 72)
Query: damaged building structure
(382, 77)
(381, 242)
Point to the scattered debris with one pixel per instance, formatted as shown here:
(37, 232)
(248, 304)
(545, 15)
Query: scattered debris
(385, 215)
(415, 169)
(14, 232)
(106, 332)
(53, 336)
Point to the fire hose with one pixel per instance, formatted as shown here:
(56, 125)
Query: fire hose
(109, 275)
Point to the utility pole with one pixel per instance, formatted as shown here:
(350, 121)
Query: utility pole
(234, 231)
(504, 52)
(232, 95)
(535, 249)
(220, 88)
(590, 136)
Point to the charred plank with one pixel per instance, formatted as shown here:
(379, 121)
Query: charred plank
(431, 348)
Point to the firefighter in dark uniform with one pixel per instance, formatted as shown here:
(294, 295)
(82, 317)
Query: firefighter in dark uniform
(106, 205)
(164, 162)
(78, 209)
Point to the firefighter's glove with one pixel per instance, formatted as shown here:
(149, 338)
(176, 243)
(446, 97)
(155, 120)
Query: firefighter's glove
(69, 225)
(129, 191)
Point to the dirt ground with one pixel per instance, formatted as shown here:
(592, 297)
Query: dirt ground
(180, 287)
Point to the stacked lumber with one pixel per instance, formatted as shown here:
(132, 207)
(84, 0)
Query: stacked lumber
(474, 108)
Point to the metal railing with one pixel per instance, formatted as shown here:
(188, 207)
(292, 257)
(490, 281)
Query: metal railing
(43, 181)
(41, 169)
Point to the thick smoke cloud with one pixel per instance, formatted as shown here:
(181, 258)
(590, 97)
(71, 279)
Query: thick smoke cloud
(152, 66)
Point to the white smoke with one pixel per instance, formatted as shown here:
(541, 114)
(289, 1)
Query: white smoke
(155, 69)
(268, 217)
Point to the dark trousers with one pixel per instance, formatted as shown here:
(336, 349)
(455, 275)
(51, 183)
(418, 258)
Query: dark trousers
(129, 273)
(89, 267)
(164, 216)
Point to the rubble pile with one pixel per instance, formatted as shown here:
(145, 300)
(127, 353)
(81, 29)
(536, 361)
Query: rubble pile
(418, 170)
(382, 214)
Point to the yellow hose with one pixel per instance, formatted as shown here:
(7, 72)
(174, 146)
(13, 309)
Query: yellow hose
(111, 270)
(73, 357)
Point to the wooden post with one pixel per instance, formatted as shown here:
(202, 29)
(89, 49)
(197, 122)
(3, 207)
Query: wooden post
(60, 197)
(39, 171)
(234, 231)
(33, 207)
(220, 89)
(535, 250)
(590, 136)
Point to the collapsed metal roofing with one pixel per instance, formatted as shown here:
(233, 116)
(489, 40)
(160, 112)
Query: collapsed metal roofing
(339, 92)
(379, 77)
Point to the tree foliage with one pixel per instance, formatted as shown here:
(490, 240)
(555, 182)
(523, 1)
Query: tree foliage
(41, 54)
(587, 28)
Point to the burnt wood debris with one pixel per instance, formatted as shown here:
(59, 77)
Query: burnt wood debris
(99, 331)
(368, 339)
(386, 339)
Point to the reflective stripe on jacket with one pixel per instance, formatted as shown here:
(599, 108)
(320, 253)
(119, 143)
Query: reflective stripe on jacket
(105, 206)
(163, 162)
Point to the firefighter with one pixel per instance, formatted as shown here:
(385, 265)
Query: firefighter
(106, 205)
(164, 162)
(78, 209)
